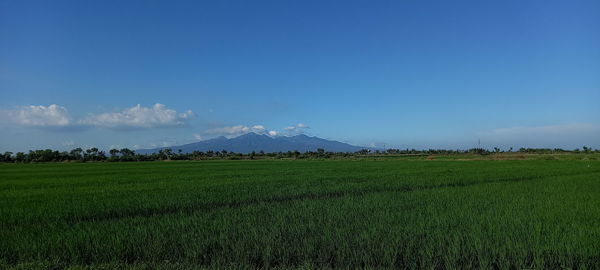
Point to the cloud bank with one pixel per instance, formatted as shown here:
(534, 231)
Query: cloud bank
(139, 117)
(136, 117)
(297, 129)
(237, 130)
(569, 135)
(234, 131)
(39, 116)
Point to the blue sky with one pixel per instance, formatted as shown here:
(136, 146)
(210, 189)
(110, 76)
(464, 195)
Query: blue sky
(416, 74)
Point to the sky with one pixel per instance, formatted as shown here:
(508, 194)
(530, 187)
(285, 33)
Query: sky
(401, 74)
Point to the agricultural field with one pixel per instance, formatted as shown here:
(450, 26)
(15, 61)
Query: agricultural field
(354, 213)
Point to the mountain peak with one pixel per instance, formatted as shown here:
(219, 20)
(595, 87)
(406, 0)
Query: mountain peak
(249, 142)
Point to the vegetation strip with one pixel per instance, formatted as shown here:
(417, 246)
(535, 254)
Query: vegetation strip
(127, 155)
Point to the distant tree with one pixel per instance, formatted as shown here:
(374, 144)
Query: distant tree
(197, 154)
(20, 157)
(364, 152)
(114, 152)
(7, 157)
(165, 154)
(100, 155)
(92, 154)
(75, 154)
(127, 152)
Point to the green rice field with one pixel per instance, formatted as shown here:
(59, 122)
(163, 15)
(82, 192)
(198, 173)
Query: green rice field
(363, 213)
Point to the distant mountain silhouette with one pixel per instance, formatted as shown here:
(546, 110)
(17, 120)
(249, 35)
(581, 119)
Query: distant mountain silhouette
(255, 142)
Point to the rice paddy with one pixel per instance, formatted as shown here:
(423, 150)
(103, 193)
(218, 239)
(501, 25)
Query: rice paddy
(388, 213)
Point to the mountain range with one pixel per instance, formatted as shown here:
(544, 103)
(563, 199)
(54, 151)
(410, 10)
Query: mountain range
(256, 142)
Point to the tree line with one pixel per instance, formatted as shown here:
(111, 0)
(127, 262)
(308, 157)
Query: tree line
(123, 155)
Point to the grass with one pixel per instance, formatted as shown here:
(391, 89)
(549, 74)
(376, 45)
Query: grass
(382, 213)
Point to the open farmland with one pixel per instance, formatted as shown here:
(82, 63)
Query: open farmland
(389, 213)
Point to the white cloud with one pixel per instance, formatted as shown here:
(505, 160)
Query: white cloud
(198, 136)
(259, 129)
(57, 117)
(139, 117)
(229, 131)
(234, 131)
(51, 116)
(297, 129)
(237, 130)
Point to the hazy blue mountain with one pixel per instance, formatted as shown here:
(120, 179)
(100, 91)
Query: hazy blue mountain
(254, 142)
